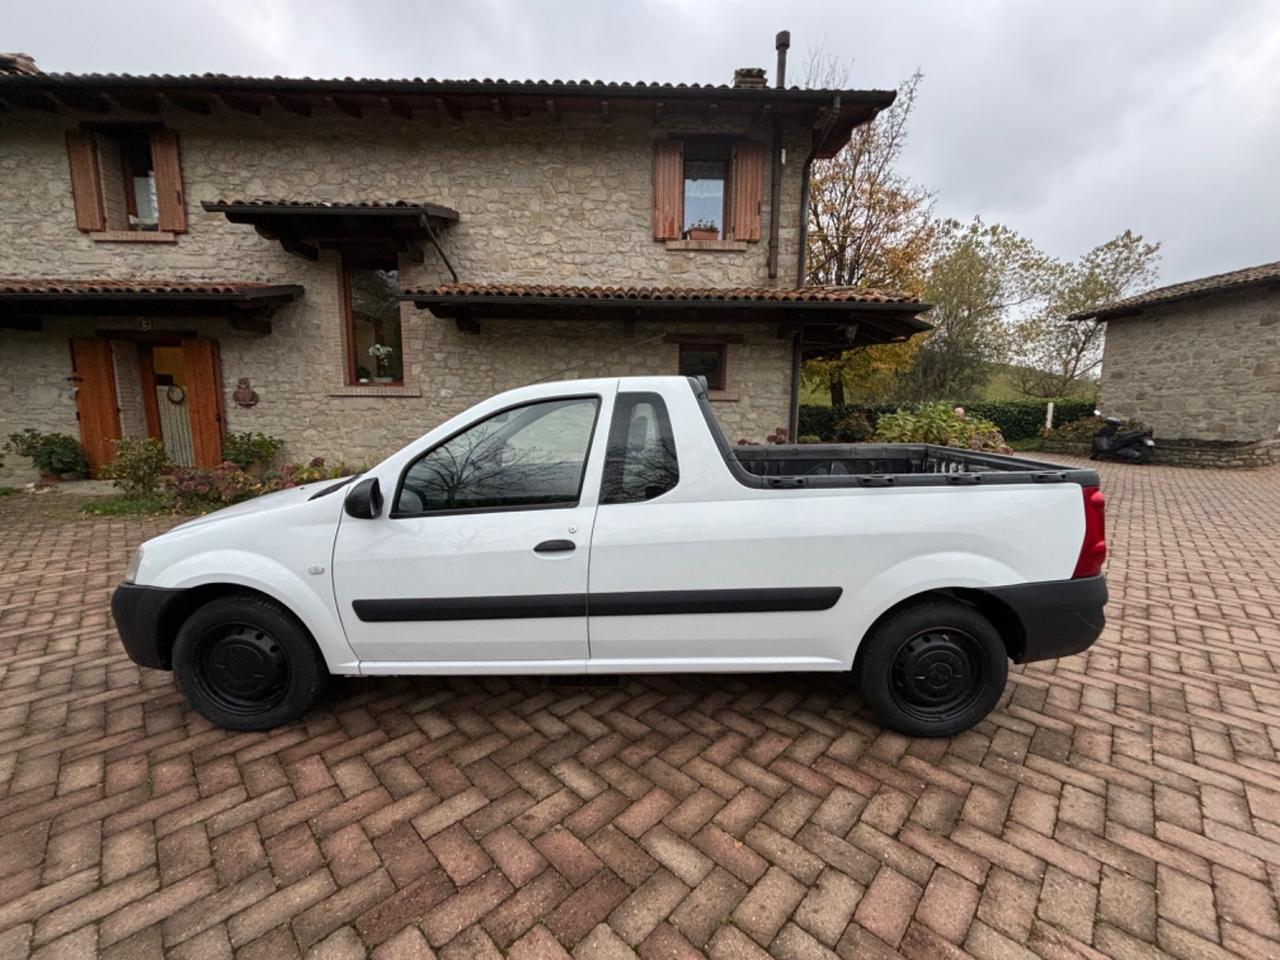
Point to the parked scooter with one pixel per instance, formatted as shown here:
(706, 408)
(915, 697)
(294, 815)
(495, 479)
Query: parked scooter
(1132, 446)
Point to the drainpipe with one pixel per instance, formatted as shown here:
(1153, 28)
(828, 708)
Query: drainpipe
(801, 252)
(781, 42)
(797, 339)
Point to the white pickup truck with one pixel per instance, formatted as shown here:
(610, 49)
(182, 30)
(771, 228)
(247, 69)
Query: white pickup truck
(606, 526)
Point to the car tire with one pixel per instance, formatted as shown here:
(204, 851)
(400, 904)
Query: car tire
(932, 669)
(247, 663)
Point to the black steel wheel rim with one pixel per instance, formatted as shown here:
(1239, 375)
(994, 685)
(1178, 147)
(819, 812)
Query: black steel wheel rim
(937, 674)
(242, 668)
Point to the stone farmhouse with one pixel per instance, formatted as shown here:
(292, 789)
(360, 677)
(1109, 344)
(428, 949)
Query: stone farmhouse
(346, 263)
(1200, 363)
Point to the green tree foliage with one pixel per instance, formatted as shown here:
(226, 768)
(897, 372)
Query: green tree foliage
(979, 273)
(1058, 356)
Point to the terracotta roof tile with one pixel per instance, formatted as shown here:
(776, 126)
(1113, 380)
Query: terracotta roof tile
(177, 288)
(531, 87)
(815, 294)
(1218, 283)
(318, 204)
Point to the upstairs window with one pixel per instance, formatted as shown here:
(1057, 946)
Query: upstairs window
(126, 178)
(707, 188)
(375, 347)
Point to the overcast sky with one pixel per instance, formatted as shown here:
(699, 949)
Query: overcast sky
(1068, 121)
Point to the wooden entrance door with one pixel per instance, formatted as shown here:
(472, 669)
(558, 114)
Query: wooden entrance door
(204, 400)
(96, 407)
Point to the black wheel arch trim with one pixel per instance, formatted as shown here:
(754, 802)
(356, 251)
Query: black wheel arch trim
(1055, 618)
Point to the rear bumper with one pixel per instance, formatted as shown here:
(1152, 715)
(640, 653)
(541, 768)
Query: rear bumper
(139, 612)
(1058, 617)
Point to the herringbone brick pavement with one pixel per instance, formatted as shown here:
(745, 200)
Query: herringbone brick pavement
(1123, 802)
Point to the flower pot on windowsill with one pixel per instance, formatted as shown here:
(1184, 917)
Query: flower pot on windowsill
(701, 234)
(385, 380)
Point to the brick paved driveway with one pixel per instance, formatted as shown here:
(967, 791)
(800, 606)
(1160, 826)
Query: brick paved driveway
(1125, 802)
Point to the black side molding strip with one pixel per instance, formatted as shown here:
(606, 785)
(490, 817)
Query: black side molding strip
(634, 604)
(759, 600)
(471, 608)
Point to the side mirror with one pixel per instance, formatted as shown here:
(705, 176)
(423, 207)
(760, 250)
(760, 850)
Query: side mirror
(364, 500)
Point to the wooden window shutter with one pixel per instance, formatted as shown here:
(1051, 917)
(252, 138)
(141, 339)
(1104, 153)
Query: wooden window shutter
(85, 188)
(746, 185)
(668, 189)
(171, 203)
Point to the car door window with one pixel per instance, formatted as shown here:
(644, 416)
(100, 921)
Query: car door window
(641, 461)
(526, 457)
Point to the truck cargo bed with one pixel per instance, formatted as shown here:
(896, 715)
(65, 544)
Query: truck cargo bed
(883, 464)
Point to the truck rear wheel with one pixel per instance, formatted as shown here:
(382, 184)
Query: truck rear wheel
(246, 663)
(933, 669)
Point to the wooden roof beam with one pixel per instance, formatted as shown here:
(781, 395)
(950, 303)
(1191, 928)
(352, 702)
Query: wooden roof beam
(346, 105)
(450, 108)
(292, 105)
(193, 103)
(606, 111)
(399, 106)
(502, 108)
(553, 109)
(238, 104)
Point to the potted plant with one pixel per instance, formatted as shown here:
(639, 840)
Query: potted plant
(703, 230)
(362, 374)
(55, 455)
(382, 355)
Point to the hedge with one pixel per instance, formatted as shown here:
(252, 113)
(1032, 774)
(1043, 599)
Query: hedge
(1017, 419)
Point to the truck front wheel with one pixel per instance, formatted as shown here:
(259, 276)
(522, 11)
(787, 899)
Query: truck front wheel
(932, 669)
(246, 663)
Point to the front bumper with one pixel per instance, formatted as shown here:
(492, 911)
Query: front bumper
(140, 613)
(1058, 617)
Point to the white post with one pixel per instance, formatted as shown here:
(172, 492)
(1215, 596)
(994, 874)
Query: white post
(1048, 416)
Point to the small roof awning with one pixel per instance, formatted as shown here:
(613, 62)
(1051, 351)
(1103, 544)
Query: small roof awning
(24, 302)
(830, 319)
(369, 227)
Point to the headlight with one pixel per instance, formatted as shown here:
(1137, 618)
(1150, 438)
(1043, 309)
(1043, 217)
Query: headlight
(131, 571)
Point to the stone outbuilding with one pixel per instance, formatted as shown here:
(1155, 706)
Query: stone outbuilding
(1200, 363)
(346, 263)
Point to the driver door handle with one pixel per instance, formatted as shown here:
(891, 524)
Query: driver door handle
(555, 546)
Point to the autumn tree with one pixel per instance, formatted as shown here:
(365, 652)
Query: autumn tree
(1057, 357)
(980, 274)
(869, 226)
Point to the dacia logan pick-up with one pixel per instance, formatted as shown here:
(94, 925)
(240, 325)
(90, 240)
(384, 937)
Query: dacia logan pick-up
(606, 527)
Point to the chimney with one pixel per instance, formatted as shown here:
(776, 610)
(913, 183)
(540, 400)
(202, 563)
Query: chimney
(782, 42)
(18, 63)
(749, 77)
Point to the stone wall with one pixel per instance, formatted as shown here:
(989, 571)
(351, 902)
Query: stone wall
(539, 200)
(1192, 453)
(1205, 369)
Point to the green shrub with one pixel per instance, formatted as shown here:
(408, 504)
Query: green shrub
(1017, 419)
(138, 467)
(939, 423)
(50, 453)
(246, 449)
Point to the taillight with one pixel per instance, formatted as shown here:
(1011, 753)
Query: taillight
(1093, 550)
